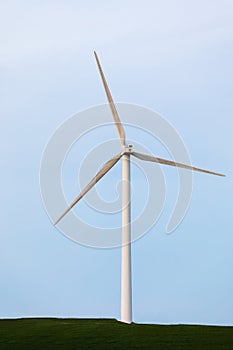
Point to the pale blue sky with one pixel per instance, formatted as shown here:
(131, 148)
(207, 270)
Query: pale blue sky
(171, 56)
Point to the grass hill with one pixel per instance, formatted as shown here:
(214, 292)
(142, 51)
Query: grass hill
(43, 334)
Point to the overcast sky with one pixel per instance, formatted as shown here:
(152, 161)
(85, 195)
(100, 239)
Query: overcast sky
(174, 57)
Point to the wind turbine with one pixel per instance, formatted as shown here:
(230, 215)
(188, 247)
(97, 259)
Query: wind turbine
(126, 153)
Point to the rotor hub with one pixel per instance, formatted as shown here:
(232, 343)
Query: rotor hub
(128, 149)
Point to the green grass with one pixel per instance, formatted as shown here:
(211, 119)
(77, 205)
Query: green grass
(109, 334)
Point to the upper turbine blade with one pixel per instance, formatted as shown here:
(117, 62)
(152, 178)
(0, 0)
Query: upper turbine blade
(119, 127)
(149, 158)
(107, 166)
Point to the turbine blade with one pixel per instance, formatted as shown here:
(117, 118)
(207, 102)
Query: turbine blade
(150, 158)
(107, 166)
(119, 127)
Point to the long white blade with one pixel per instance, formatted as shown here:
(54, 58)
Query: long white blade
(119, 127)
(107, 166)
(149, 158)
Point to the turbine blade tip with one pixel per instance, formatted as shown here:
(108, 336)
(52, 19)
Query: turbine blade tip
(219, 174)
(57, 221)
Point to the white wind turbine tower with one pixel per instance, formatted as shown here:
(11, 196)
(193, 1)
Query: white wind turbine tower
(125, 154)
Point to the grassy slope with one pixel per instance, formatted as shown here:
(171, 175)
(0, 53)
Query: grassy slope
(109, 334)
